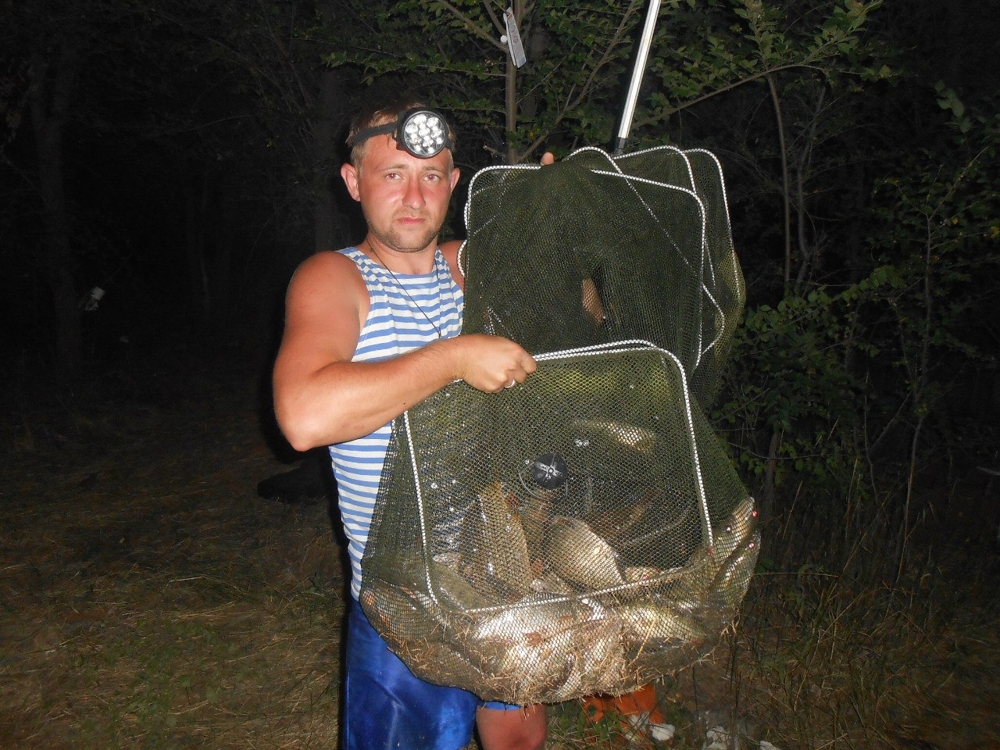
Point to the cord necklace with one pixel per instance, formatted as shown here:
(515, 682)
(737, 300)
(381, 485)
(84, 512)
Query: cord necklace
(403, 288)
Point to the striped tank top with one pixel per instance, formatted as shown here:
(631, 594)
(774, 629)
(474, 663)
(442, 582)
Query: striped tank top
(394, 326)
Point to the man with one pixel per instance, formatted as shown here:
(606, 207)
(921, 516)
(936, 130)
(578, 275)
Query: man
(369, 332)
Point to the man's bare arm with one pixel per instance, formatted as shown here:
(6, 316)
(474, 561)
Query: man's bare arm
(321, 397)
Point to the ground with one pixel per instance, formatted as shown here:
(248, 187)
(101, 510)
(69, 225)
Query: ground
(150, 599)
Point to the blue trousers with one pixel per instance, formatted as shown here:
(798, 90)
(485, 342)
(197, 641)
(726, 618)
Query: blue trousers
(387, 706)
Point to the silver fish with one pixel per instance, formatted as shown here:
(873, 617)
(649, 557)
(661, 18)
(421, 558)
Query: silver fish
(639, 573)
(600, 656)
(577, 652)
(494, 547)
(527, 645)
(705, 564)
(536, 668)
(437, 579)
(648, 585)
(630, 436)
(535, 513)
(393, 611)
(578, 555)
(738, 527)
(598, 661)
(616, 523)
(731, 582)
(534, 617)
(657, 626)
(680, 516)
(727, 537)
(550, 583)
(452, 590)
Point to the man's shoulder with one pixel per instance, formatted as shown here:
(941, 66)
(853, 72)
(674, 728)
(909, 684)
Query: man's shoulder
(450, 250)
(331, 259)
(326, 265)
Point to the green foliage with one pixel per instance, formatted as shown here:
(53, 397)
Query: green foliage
(937, 224)
(576, 51)
(792, 378)
(580, 56)
(833, 374)
(708, 49)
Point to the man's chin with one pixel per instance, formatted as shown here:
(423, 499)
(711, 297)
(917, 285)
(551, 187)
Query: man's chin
(408, 243)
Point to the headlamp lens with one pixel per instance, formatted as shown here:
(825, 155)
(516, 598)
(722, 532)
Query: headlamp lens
(420, 132)
(424, 133)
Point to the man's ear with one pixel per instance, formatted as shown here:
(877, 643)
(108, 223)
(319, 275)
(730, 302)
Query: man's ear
(350, 175)
(455, 174)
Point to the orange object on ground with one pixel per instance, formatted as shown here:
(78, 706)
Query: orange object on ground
(637, 708)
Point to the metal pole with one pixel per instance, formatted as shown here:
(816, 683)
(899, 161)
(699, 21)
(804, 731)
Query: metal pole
(637, 71)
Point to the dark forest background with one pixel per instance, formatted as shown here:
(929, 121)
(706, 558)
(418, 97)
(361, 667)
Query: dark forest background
(183, 158)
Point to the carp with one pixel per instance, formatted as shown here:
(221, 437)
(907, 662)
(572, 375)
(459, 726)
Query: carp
(436, 579)
(731, 582)
(493, 545)
(529, 644)
(535, 617)
(578, 555)
(639, 573)
(738, 527)
(615, 524)
(656, 626)
(396, 614)
(631, 436)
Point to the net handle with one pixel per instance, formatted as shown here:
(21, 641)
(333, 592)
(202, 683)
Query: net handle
(640, 67)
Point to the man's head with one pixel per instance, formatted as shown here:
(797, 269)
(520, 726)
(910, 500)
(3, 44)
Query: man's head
(404, 197)
(415, 127)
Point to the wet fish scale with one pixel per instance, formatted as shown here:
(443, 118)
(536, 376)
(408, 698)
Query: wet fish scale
(657, 624)
(629, 435)
(494, 547)
(738, 527)
(732, 580)
(580, 556)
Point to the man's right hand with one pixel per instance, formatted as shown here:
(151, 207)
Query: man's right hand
(492, 363)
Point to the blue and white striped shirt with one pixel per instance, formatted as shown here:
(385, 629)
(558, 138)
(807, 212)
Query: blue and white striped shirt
(398, 322)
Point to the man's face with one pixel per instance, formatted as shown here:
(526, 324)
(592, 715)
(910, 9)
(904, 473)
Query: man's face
(404, 198)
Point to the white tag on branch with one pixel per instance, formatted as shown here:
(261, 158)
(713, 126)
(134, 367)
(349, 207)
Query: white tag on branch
(513, 39)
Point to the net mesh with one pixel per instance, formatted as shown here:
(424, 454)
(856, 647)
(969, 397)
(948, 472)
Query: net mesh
(583, 532)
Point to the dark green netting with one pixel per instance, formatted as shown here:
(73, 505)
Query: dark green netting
(583, 532)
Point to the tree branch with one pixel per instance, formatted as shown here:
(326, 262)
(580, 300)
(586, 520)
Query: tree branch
(471, 25)
(497, 23)
(785, 186)
(571, 101)
(724, 89)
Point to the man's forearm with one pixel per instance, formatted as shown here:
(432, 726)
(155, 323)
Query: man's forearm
(348, 400)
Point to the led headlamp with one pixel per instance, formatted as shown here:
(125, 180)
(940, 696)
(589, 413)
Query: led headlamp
(420, 132)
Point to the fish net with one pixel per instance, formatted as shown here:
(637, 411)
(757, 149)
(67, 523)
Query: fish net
(583, 532)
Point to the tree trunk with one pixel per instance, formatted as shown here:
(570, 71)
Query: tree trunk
(510, 91)
(52, 83)
(326, 124)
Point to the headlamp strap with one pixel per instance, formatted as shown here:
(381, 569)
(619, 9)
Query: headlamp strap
(363, 135)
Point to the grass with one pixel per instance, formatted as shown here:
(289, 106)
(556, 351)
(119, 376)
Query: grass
(149, 599)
